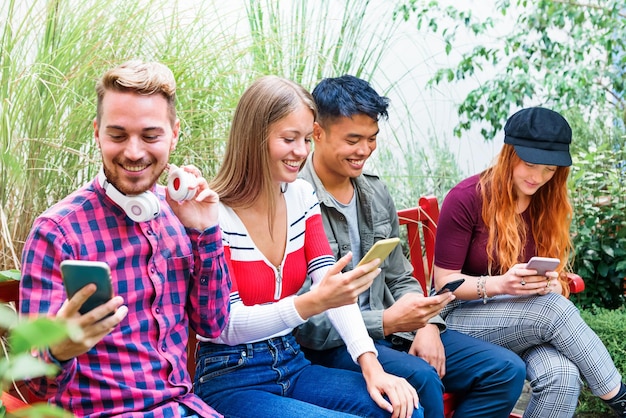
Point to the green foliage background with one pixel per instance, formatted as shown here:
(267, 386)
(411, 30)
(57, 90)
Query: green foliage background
(566, 55)
(53, 51)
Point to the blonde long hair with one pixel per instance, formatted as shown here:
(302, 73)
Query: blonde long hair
(550, 213)
(245, 172)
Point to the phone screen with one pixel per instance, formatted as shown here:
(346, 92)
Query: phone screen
(79, 273)
(450, 286)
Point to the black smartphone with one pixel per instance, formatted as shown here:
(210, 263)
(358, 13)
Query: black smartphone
(79, 273)
(450, 286)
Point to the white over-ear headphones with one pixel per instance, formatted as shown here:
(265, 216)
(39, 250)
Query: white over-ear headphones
(178, 183)
(142, 207)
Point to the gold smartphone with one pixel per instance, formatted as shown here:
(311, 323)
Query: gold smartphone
(381, 249)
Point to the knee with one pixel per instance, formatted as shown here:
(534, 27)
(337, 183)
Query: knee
(425, 379)
(558, 378)
(556, 310)
(510, 371)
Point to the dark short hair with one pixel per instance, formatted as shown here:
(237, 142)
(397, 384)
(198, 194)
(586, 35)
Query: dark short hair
(347, 96)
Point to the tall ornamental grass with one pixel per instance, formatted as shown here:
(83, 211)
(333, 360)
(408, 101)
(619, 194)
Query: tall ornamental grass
(52, 53)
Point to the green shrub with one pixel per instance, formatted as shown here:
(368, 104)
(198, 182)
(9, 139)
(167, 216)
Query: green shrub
(599, 225)
(610, 325)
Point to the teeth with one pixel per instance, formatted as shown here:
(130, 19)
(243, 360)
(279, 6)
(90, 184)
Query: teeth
(356, 162)
(293, 163)
(135, 168)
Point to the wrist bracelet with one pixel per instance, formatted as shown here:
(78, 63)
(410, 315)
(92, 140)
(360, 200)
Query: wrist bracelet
(483, 285)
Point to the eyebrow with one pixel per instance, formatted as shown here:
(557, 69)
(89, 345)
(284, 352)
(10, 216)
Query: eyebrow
(355, 135)
(149, 128)
(294, 131)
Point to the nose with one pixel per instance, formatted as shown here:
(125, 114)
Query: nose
(302, 148)
(365, 147)
(134, 148)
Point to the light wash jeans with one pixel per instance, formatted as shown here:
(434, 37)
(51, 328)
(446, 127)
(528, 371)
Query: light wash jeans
(273, 379)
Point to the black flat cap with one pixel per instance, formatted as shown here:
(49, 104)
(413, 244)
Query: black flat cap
(540, 136)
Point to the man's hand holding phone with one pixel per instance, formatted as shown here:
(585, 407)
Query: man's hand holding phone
(87, 292)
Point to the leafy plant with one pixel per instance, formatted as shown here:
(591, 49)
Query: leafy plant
(599, 225)
(53, 51)
(18, 363)
(568, 54)
(610, 326)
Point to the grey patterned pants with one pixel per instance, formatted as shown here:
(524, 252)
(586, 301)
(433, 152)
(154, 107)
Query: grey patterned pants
(549, 334)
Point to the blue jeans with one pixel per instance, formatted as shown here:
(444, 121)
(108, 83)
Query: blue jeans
(488, 378)
(273, 379)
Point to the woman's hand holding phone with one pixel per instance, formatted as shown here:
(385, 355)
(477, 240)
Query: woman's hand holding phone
(537, 277)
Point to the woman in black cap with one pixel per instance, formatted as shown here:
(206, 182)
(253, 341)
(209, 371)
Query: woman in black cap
(490, 225)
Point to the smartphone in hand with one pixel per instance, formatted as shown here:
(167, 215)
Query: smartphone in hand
(542, 264)
(79, 273)
(450, 286)
(381, 249)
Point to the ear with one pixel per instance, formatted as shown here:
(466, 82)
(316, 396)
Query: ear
(318, 132)
(175, 133)
(96, 132)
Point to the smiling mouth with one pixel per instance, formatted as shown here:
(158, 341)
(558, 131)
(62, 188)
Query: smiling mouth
(135, 168)
(356, 162)
(294, 164)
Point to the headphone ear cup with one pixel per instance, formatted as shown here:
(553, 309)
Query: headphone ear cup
(143, 207)
(178, 183)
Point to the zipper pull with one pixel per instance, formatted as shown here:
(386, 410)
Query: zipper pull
(278, 290)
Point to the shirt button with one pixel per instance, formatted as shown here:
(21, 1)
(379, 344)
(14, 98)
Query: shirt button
(204, 280)
(152, 270)
(163, 348)
(158, 310)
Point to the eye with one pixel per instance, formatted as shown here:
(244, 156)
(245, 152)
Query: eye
(551, 169)
(151, 137)
(116, 137)
(308, 139)
(531, 165)
(289, 140)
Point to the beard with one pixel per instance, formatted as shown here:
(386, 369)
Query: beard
(131, 186)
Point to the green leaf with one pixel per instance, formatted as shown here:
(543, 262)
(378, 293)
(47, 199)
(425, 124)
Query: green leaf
(12, 274)
(37, 333)
(41, 410)
(8, 317)
(25, 366)
(608, 251)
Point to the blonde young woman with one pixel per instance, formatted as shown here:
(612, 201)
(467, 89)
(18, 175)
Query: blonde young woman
(273, 238)
(490, 225)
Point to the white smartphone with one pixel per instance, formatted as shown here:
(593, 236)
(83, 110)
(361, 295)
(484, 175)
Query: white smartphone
(542, 264)
(381, 249)
(79, 273)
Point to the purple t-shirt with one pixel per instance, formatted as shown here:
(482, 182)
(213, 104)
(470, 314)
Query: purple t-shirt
(462, 235)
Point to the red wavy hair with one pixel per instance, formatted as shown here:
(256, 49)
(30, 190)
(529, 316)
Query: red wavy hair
(550, 213)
